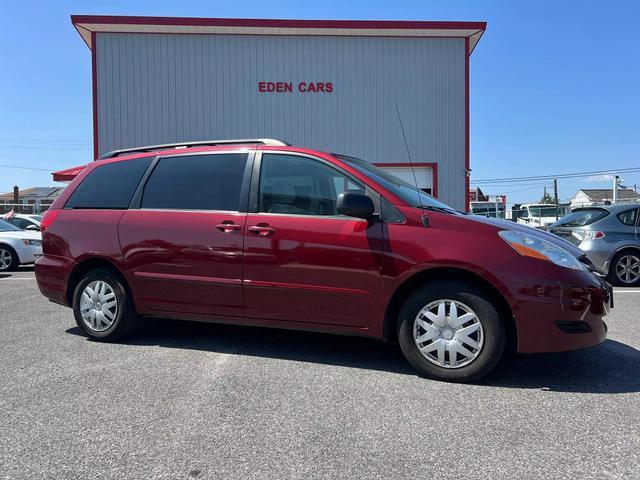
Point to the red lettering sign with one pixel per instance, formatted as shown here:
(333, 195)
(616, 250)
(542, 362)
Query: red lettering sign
(302, 87)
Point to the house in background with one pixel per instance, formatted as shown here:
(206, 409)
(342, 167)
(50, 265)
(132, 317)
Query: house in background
(30, 200)
(598, 196)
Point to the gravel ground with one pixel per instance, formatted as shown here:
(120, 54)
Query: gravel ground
(189, 400)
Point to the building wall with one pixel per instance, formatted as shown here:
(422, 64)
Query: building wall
(164, 88)
(580, 199)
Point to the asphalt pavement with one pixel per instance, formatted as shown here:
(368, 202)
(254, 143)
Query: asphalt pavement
(191, 400)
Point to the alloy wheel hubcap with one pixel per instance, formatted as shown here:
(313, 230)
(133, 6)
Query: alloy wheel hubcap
(5, 259)
(98, 306)
(448, 333)
(628, 268)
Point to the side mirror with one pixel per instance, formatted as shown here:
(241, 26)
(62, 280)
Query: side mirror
(33, 227)
(355, 205)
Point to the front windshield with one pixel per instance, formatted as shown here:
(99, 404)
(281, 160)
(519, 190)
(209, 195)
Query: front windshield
(37, 218)
(395, 185)
(543, 211)
(7, 227)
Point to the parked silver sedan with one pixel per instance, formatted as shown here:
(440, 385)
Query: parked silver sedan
(18, 247)
(610, 235)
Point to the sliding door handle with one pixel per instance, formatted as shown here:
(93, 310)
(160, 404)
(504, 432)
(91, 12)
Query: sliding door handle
(262, 229)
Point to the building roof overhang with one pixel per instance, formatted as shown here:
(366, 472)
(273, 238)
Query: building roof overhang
(88, 24)
(68, 174)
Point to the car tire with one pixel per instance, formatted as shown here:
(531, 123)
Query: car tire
(475, 324)
(618, 265)
(9, 261)
(93, 308)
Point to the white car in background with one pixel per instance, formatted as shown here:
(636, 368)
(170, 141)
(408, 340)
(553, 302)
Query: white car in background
(24, 222)
(18, 247)
(539, 215)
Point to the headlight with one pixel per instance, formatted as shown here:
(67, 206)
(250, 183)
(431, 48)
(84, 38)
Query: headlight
(31, 243)
(535, 247)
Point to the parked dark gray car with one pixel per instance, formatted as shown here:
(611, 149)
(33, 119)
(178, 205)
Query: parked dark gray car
(610, 235)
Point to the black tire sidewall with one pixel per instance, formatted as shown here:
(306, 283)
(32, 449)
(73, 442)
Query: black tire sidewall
(15, 261)
(493, 328)
(613, 276)
(125, 316)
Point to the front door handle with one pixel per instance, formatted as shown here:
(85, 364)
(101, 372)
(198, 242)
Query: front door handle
(262, 229)
(228, 226)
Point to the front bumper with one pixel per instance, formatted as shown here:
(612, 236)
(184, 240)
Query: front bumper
(29, 254)
(557, 309)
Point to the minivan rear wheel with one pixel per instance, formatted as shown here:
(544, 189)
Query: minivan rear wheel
(451, 331)
(102, 306)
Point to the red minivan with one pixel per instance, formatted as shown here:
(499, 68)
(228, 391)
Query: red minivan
(257, 232)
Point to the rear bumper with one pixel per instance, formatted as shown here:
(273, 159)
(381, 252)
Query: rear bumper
(51, 275)
(599, 257)
(559, 313)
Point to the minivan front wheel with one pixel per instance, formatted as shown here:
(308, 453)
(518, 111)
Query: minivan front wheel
(102, 306)
(451, 331)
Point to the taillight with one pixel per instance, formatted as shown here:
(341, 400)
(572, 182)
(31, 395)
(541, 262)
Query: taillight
(593, 235)
(48, 218)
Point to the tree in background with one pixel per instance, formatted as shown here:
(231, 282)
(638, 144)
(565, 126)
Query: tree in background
(546, 198)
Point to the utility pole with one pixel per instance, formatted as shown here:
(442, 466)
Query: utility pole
(555, 196)
(615, 188)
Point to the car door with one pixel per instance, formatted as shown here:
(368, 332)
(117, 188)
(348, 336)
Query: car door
(182, 242)
(303, 261)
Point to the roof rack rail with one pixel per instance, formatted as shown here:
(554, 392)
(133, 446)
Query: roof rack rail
(202, 143)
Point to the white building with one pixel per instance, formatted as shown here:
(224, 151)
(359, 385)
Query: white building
(598, 196)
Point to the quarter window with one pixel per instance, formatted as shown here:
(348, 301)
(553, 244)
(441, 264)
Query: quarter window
(196, 182)
(629, 217)
(301, 186)
(109, 186)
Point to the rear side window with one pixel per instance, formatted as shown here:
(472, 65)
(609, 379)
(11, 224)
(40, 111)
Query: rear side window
(629, 217)
(109, 186)
(196, 182)
(581, 218)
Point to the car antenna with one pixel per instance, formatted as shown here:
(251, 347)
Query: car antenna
(425, 219)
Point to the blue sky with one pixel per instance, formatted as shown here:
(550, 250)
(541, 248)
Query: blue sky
(555, 86)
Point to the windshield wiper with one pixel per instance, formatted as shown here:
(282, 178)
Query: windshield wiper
(434, 208)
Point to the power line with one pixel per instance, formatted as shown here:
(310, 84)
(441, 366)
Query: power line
(26, 168)
(45, 141)
(551, 177)
(46, 147)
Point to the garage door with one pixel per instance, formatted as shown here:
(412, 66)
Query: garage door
(425, 175)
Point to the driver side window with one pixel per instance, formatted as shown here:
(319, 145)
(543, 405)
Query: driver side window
(295, 185)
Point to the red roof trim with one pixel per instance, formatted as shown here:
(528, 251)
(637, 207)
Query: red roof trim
(277, 23)
(68, 174)
(94, 95)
